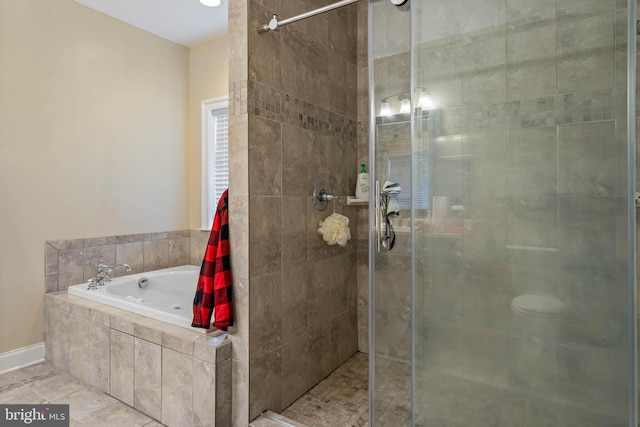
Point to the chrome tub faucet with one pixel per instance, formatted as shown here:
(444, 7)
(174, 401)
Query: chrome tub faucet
(103, 274)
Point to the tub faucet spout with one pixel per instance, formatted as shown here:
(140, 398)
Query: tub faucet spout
(103, 272)
(115, 267)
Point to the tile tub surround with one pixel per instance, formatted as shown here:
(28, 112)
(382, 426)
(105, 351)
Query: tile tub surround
(169, 373)
(72, 261)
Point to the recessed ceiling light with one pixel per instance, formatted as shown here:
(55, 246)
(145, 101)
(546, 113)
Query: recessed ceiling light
(210, 3)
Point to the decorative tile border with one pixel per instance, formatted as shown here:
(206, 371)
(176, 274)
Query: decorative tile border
(571, 108)
(270, 103)
(70, 262)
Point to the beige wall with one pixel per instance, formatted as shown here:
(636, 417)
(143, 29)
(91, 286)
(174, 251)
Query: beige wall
(208, 78)
(93, 131)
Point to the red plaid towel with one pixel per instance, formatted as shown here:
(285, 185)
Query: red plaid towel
(213, 294)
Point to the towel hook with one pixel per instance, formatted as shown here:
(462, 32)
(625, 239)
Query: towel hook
(321, 198)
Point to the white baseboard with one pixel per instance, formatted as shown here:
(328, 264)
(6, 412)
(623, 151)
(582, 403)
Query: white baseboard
(21, 358)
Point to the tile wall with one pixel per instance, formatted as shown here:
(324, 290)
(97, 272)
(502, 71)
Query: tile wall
(293, 126)
(302, 114)
(71, 262)
(239, 205)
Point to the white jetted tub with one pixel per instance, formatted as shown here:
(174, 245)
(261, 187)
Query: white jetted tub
(165, 295)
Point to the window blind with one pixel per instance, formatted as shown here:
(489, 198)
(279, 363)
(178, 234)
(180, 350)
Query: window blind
(399, 170)
(218, 158)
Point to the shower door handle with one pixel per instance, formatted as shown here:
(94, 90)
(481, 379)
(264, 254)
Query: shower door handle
(377, 215)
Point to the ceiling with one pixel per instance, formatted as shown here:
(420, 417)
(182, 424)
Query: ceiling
(186, 22)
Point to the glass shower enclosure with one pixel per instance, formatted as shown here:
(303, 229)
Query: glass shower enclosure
(502, 257)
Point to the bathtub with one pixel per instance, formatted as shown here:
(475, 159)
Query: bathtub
(168, 296)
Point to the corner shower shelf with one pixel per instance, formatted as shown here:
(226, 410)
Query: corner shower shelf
(352, 201)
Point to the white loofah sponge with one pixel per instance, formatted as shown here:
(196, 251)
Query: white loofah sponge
(335, 229)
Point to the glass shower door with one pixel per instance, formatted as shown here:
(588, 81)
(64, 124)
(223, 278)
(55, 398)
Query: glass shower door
(521, 256)
(390, 259)
(503, 284)
(392, 348)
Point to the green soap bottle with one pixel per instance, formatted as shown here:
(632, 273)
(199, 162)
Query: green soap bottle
(362, 185)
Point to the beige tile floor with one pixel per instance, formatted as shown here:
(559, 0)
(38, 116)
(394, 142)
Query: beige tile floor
(341, 399)
(442, 399)
(44, 383)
